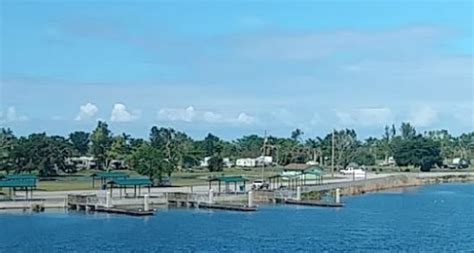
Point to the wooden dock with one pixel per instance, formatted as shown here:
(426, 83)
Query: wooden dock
(133, 212)
(90, 202)
(313, 203)
(228, 207)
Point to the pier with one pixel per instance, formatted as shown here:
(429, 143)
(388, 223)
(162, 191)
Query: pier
(91, 202)
(211, 200)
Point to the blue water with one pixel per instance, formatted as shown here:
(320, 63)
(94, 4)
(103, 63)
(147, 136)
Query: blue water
(437, 218)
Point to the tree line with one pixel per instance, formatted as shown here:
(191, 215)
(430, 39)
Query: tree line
(168, 150)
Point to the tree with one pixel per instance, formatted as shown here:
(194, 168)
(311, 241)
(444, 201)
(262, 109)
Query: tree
(363, 156)
(176, 146)
(249, 146)
(216, 163)
(418, 151)
(101, 140)
(211, 144)
(148, 160)
(45, 154)
(407, 130)
(118, 150)
(297, 134)
(8, 143)
(80, 141)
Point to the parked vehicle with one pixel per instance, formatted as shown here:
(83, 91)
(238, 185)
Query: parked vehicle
(260, 185)
(165, 182)
(459, 163)
(351, 171)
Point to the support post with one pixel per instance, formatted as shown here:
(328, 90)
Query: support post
(146, 204)
(108, 200)
(338, 195)
(211, 196)
(250, 199)
(298, 193)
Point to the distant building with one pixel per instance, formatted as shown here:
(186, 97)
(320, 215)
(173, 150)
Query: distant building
(263, 160)
(83, 162)
(205, 162)
(246, 162)
(228, 163)
(390, 162)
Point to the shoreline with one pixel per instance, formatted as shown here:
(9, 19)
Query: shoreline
(56, 199)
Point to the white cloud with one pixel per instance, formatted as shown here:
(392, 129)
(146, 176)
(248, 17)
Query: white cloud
(422, 116)
(245, 118)
(121, 114)
(365, 116)
(192, 115)
(87, 112)
(170, 114)
(213, 117)
(11, 115)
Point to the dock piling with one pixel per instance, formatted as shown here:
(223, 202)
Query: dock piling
(108, 200)
(211, 196)
(338, 195)
(250, 199)
(146, 203)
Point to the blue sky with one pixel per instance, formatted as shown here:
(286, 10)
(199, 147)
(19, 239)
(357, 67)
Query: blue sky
(235, 68)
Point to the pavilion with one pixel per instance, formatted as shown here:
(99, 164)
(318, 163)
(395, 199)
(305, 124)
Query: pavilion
(15, 182)
(297, 176)
(104, 177)
(133, 182)
(227, 180)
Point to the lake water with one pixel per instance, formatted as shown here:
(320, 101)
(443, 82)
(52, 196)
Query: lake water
(436, 218)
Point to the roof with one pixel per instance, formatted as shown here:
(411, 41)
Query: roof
(136, 181)
(17, 183)
(110, 175)
(229, 179)
(296, 166)
(314, 170)
(20, 177)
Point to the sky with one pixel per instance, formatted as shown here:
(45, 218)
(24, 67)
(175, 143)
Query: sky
(236, 67)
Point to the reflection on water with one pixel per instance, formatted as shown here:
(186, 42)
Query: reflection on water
(436, 218)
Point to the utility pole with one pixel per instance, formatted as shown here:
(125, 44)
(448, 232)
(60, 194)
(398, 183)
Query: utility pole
(332, 155)
(264, 149)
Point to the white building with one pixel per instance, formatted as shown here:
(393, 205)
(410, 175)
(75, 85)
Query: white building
(228, 163)
(83, 162)
(263, 160)
(205, 162)
(246, 162)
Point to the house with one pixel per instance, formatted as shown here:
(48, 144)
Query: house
(246, 162)
(205, 162)
(263, 160)
(228, 163)
(83, 162)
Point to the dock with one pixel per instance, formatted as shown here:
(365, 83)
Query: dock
(313, 203)
(92, 203)
(206, 201)
(132, 212)
(229, 207)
